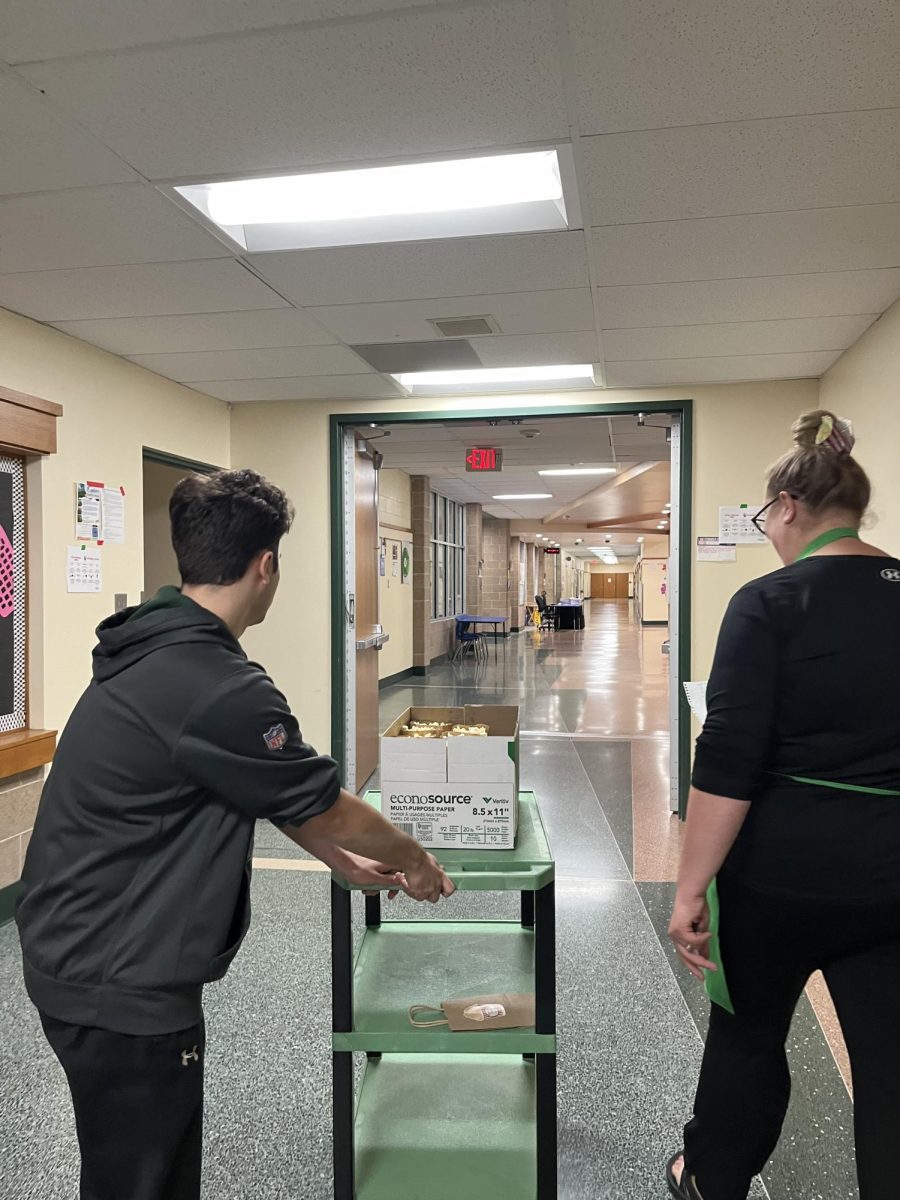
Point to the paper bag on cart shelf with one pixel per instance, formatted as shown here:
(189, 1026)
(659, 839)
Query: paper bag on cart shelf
(478, 1013)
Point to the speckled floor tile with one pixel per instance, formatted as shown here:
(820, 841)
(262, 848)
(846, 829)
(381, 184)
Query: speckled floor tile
(815, 1159)
(38, 1150)
(629, 1050)
(608, 767)
(579, 834)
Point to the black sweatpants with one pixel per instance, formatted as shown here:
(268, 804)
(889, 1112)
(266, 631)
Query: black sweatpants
(770, 947)
(138, 1110)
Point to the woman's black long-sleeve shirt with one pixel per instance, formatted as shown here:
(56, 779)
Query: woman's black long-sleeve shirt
(806, 682)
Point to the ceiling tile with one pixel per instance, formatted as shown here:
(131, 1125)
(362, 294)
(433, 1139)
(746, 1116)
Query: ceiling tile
(670, 371)
(560, 311)
(274, 363)
(214, 285)
(35, 29)
(769, 298)
(749, 337)
(537, 350)
(646, 64)
(516, 312)
(419, 270)
(39, 150)
(772, 298)
(202, 331)
(323, 387)
(95, 227)
(820, 161)
(831, 239)
(421, 82)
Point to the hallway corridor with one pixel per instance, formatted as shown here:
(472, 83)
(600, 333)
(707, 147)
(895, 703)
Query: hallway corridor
(594, 747)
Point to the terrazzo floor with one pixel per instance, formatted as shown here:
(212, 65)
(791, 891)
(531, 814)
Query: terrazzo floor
(630, 1022)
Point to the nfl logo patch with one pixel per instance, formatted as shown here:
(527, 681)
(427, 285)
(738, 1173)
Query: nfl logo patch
(276, 737)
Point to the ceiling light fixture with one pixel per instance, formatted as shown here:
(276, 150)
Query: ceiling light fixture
(456, 197)
(580, 471)
(494, 377)
(524, 496)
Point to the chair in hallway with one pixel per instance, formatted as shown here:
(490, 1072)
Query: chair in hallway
(468, 639)
(547, 613)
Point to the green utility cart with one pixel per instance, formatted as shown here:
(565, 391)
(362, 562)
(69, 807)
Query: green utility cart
(441, 1115)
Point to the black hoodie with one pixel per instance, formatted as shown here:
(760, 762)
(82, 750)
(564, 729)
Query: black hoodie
(135, 891)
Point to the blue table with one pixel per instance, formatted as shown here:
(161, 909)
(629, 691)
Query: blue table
(466, 619)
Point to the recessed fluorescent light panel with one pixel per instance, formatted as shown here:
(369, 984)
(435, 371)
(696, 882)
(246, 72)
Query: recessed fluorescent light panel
(502, 379)
(460, 197)
(525, 496)
(580, 471)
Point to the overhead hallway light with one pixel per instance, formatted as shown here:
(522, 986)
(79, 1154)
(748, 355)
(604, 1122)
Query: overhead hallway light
(580, 471)
(495, 378)
(456, 197)
(525, 496)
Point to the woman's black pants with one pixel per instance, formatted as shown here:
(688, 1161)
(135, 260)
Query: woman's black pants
(771, 944)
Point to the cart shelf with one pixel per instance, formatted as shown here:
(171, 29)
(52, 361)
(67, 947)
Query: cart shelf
(403, 963)
(446, 1128)
(441, 1115)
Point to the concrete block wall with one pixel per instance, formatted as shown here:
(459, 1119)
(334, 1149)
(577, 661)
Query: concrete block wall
(19, 798)
(496, 583)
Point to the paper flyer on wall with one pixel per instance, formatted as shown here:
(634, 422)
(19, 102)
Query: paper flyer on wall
(114, 515)
(736, 525)
(83, 569)
(99, 513)
(88, 511)
(710, 549)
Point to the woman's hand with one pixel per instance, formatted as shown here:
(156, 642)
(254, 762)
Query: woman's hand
(689, 930)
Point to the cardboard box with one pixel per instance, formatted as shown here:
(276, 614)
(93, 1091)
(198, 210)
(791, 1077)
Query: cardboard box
(454, 792)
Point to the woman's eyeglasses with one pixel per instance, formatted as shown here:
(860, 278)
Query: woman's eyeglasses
(760, 519)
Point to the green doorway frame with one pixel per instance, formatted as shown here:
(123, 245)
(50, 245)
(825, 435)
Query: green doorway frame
(683, 409)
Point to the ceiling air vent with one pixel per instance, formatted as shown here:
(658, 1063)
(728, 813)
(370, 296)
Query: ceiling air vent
(456, 327)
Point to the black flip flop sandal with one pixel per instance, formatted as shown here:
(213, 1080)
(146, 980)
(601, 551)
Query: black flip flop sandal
(686, 1189)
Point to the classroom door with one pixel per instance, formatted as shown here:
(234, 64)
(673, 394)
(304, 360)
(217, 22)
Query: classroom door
(621, 587)
(369, 636)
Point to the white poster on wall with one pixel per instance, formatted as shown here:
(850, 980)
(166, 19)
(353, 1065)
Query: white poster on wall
(521, 573)
(736, 525)
(83, 569)
(710, 549)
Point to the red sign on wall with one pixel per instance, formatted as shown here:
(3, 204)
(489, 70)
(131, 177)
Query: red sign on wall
(551, 549)
(484, 458)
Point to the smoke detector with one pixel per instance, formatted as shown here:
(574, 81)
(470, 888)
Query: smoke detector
(529, 431)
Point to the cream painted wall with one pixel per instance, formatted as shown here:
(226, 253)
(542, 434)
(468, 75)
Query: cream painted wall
(738, 430)
(112, 410)
(395, 596)
(862, 385)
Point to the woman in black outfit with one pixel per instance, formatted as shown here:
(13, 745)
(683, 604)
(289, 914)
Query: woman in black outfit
(791, 862)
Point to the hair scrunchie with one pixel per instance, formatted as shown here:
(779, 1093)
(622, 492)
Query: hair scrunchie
(836, 435)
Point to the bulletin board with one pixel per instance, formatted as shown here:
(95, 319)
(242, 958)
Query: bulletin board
(13, 611)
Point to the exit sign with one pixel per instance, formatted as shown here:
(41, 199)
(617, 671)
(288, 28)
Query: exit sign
(551, 549)
(484, 458)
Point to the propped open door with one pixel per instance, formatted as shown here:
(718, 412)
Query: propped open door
(364, 633)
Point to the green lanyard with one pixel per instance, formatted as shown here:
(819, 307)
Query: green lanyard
(825, 539)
